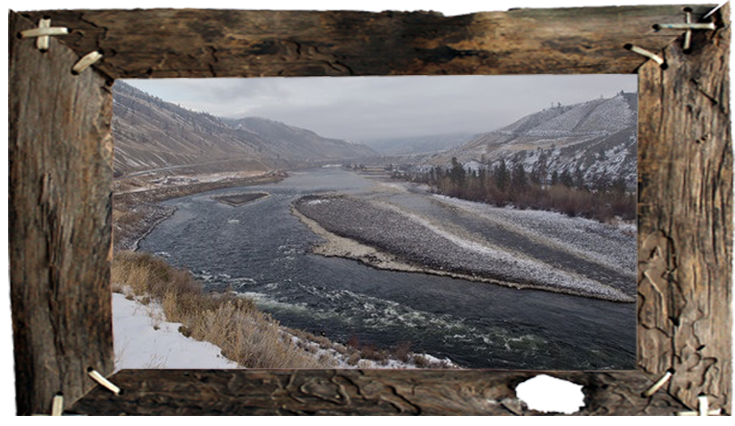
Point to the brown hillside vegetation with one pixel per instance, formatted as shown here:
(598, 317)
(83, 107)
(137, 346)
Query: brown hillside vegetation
(245, 334)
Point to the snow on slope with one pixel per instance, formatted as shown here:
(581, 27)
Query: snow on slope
(138, 344)
(144, 340)
(598, 137)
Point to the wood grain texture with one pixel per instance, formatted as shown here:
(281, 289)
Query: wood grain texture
(273, 392)
(355, 392)
(233, 43)
(60, 152)
(685, 220)
(60, 195)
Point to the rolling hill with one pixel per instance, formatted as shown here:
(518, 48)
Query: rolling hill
(596, 137)
(152, 134)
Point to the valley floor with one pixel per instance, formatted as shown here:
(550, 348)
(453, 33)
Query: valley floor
(204, 329)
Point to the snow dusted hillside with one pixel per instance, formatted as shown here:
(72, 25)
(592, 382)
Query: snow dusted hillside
(596, 138)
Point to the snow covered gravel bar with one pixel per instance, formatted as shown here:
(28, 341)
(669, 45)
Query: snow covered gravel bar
(419, 244)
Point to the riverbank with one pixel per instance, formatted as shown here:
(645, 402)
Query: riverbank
(237, 200)
(135, 200)
(231, 322)
(383, 236)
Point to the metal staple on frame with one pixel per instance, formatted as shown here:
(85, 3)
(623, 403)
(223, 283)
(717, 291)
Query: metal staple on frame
(702, 400)
(702, 410)
(86, 61)
(45, 30)
(43, 41)
(687, 46)
(648, 54)
(712, 12)
(57, 406)
(688, 25)
(99, 378)
(659, 384)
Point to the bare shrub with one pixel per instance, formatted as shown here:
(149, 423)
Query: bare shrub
(354, 342)
(370, 352)
(185, 331)
(422, 362)
(322, 341)
(402, 351)
(340, 348)
(327, 360)
(354, 358)
(364, 364)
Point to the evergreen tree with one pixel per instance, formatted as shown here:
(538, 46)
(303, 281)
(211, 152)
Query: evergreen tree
(518, 179)
(579, 179)
(501, 176)
(482, 178)
(457, 173)
(603, 183)
(618, 185)
(566, 179)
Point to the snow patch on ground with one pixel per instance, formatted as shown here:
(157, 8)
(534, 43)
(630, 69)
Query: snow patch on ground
(518, 261)
(144, 339)
(606, 244)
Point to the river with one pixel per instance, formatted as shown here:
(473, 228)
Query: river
(262, 250)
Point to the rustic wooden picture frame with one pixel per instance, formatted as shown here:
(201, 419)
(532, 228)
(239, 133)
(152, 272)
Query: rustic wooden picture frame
(61, 178)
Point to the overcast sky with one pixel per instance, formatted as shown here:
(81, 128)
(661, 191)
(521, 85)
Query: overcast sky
(359, 108)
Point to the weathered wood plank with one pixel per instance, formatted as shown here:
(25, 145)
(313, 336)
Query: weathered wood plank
(254, 392)
(685, 219)
(60, 222)
(60, 189)
(366, 392)
(233, 43)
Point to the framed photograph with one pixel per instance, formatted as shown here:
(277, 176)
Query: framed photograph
(71, 202)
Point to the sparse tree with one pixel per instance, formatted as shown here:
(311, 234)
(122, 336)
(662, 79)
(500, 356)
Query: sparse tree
(602, 183)
(618, 185)
(554, 178)
(566, 179)
(457, 173)
(501, 176)
(579, 179)
(519, 181)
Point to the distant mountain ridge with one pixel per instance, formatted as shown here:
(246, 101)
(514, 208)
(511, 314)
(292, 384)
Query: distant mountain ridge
(598, 138)
(150, 133)
(297, 143)
(415, 145)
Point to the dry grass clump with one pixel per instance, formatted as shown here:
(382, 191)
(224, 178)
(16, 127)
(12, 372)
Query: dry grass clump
(403, 351)
(246, 335)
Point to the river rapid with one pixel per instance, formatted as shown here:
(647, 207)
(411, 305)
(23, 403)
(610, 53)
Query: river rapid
(260, 249)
